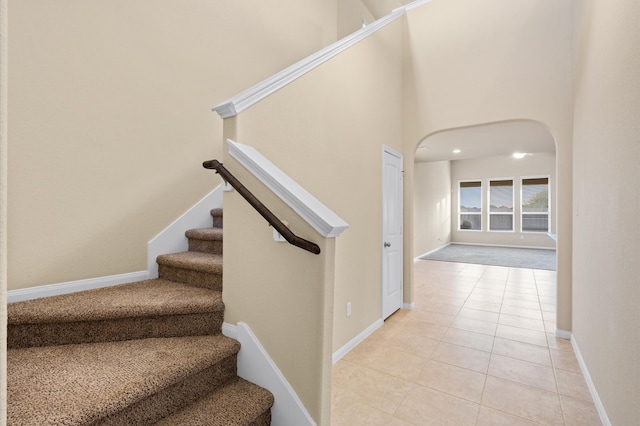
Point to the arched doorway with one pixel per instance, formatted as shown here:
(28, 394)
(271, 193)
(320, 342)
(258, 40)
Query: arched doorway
(482, 154)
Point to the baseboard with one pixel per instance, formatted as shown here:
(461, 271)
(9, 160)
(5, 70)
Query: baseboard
(592, 388)
(172, 238)
(563, 334)
(408, 305)
(417, 258)
(256, 366)
(73, 286)
(337, 355)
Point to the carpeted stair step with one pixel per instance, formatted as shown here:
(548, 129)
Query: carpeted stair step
(216, 214)
(133, 382)
(194, 268)
(134, 354)
(205, 240)
(236, 403)
(151, 308)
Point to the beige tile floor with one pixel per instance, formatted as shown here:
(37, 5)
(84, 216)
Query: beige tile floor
(477, 349)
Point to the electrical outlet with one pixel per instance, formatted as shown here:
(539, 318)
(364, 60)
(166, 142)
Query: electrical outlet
(348, 309)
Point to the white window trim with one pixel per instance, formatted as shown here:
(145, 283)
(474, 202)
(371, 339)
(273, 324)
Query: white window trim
(548, 212)
(513, 204)
(480, 213)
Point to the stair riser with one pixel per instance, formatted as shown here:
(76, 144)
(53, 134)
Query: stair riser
(217, 214)
(208, 280)
(205, 246)
(27, 335)
(171, 399)
(217, 221)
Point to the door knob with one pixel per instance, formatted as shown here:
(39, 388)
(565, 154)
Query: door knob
(387, 244)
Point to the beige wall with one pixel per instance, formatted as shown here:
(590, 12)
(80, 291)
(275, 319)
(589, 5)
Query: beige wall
(470, 62)
(606, 312)
(484, 169)
(3, 210)
(326, 130)
(283, 293)
(110, 118)
(351, 13)
(431, 206)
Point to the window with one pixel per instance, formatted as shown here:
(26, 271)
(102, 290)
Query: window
(501, 205)
(535, 205)
(470, 205)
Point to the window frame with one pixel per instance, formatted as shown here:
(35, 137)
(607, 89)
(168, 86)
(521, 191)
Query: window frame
(480, 214)
(513, 210)
(523, 214)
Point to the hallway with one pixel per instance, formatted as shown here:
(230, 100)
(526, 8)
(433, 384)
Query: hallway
(477, 349)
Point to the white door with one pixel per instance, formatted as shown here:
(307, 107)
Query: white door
(391, 231)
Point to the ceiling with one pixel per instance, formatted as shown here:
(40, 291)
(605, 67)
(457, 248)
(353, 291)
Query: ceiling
(487, 140)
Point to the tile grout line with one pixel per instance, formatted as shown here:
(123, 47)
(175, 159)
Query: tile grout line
(486, 376)
(553, 366)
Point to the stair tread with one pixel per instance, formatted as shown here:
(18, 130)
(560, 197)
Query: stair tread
(209, 234)
(193, 260)
(236, 403)
(79, 384)
(143, 298)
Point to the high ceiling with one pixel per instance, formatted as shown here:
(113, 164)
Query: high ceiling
(488, 140)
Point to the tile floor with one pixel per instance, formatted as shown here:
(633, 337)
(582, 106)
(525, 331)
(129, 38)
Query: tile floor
(477, 349)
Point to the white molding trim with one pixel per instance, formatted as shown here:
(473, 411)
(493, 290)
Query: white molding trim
(592, 388)
(320, 217)
(172, 238)
(408, 306)
(415, 4)
(256, 366)
(417, 258)
(230, 330)
(256, 93)
(48, 290)
(337, 355)
(563, 334)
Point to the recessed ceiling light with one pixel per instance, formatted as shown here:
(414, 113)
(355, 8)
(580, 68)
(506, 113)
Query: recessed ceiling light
(456, 151)
(519, 155)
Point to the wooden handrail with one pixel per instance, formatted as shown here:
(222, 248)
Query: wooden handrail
(261, 208)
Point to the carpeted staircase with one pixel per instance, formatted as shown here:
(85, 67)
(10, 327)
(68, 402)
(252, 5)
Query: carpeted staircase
(149, 352)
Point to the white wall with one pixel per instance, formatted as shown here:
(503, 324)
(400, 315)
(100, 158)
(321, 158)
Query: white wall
(536, 165)
(431, 206)
(606, 258)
